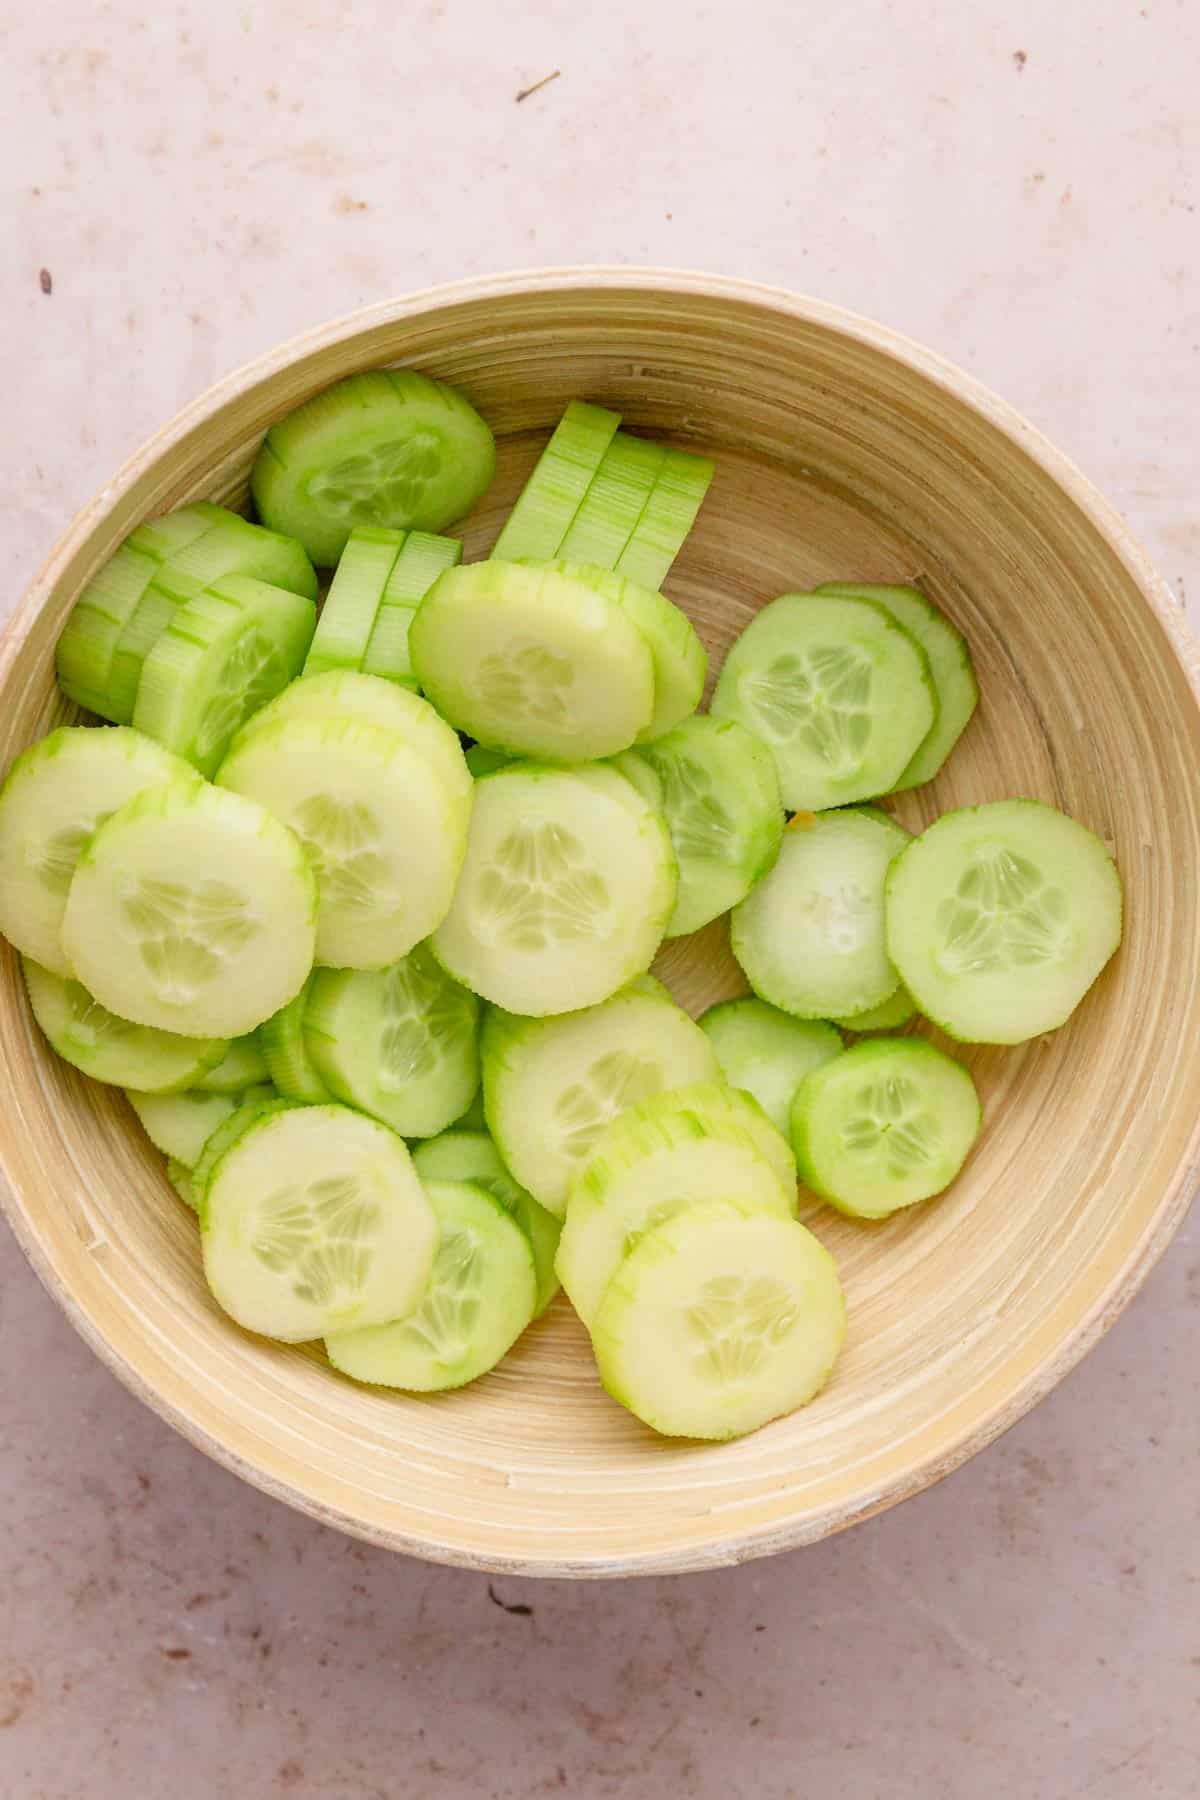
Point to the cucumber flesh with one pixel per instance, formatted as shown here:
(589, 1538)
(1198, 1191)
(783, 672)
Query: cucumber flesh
(281, 1040)
(614, 502)
(252, 1107)
(181, 1124)
(465, 1155)
(889, 1015)
(767, 1053)
(555, 491)
(667, 518)
(111, 1049)
(422, 559)
(242, 1066)
(352, 603)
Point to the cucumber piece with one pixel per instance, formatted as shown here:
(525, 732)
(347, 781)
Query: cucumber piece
(400, 1043)
(111, 1049)
(720, 798)
(530, 660)
(767, 1052)
(722, 1109)
(420, 562)
(482, 761)
(884, 1125)
(1000, 918)
(810, 938)
(637, 770)
(552, 1086)
(555, 491)
(718, 1321)
(281, 1040)
(480, 1298)
(838, 690)
(614, 502)
(163, 594)
(889, 1015)
(472, 1156)
(180, 1178)
(234, 1126)
(390, 448)
(352, 603)
(168, 534)
(55, 795)
(949, 664)
(568, 882)
(314, 1221)
(384, 834)
(242, 1066)
(191, 910)
(181, 1124)
(667, 517)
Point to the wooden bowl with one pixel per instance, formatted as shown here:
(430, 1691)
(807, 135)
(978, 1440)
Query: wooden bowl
(842, 451)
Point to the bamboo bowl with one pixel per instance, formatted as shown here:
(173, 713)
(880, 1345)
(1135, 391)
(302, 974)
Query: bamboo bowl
(841, 451)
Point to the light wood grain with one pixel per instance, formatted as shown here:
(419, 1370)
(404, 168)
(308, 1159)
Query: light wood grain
(842, 451)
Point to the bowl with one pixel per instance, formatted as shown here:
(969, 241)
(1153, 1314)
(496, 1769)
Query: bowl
(842, 451)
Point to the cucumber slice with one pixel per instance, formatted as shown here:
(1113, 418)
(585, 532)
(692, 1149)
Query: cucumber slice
(884, 1125)
(841, 693)
(314, 1221)
(110, 1049)
(635, 769)
(400, 1043)
(233, 546)
(420, 562)
(227, 1133)
(191, 910)
(718, 1321)
(555, 491)
(889, 1015)
(461, 1155)
(810, 938)
(720, 798)
(242, 1066)
(766, 1052)
(385, 835)
(614, 502)
(568, 882)
(181, 1124)
(281, 1039)
(1000, 918)
(180, 1178)
(352, 603)
(166, 536)
(163, 594)
(551, 1087)
(949, 664)
(390, 448)
(667, 517)
(529, 660)
(480, 1298)
(722, 1109)
(56, 794)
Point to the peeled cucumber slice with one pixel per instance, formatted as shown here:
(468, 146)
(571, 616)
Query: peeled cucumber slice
(889, 1015)
(352, 603)
(555, 491)
(767, 1052)
(614, 502)
(463, 1155)
(718, 1321)
(421, 560)
(667, 518)
(242, 1066)
(281, 1040)
(111, 1049)
(252, 1107)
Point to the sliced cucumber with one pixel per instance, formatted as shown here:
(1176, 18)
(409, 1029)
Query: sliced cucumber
(352, 603)
(242, 1066)
(1000, 918)
(233, 1127)
(718, 1321)
(389, 448)
(722, 1109)
(530, 660)
(164, 594)
(55, 795)
(767, 1052)
(667, 517)
(400, 1043)
(838, 690)
(889, 1015)
(181, 1124)
(884, 1125)
(420, 562)
(480, 1297)
(554, 492)
(568, 882)
(463, 1155)
(164, 537)
(634, 767)
(810, 938)
(313, 1222)
(550, 1087)
(110, 1049)
(385, 834)
(281, 1040)
(180, 1178)
(614, 502)
(191, 910)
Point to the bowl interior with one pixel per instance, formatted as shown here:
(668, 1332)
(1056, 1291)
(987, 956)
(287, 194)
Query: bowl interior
(838, 454)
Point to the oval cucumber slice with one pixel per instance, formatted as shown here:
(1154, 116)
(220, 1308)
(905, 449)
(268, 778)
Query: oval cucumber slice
(462, 1155)
(242, 1066)
(889, 1015)
(281, 1039)
(110, 1049)
(252, 1107)
(181, 1124)
(767, 1053)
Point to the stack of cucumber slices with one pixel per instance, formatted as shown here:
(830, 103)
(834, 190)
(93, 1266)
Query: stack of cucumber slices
(333, 883)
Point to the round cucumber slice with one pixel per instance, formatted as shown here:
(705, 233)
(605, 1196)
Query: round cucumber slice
(252, 1107)
(181, 1124)
(466, 1155)
(281, 1040)
(1000, 917)
(838, 690)
(314, 1221)
(884, 1125)
(191, 910)
(810, 938)
(242, 1066)
(110, 1049)
(718, 1321)
(568, 882)
(889, 1015)
(480, 1297)
(767, 1053)
(720, 1109)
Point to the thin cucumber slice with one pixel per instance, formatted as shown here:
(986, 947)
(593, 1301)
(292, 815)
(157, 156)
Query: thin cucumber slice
(400, 1043)
(352, 603)
(767, 1052)
(180, 1178)
(884, 1125)
(722, 1109)
(472, 1156)
(314, 1221)
(242, 1066)
(551, 1087)
(480, 1297)
(233, 546)
(838, 690)
(614, 502)
(1000, 918)
(191, 910)
(163, 595)
(281, 1040)
(164, 537)
(384, 832)
(110, 1049)
(949, 663)
(181, 1124)
(234, 1126)
(720, 798)
(552, 496)
(423, 558)
(55, 795)
(568, 882)
(667, 518)
(810, 938)
(482, 761)
(390, 448)
(388, 655)
(889, 1015)
(529, 660)
(718, 1321)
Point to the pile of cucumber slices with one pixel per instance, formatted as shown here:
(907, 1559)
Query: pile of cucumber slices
(359, 903)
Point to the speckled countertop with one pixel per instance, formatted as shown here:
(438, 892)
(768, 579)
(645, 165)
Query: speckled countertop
(1014, 184)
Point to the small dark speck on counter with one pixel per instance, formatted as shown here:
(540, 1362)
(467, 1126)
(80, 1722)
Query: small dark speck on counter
(516, 1607)
(178, 1655)
(544, 82)
(46, 281)
(1020, 59)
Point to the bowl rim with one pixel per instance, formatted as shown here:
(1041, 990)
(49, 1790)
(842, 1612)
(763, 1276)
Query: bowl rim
(1086, 1330)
